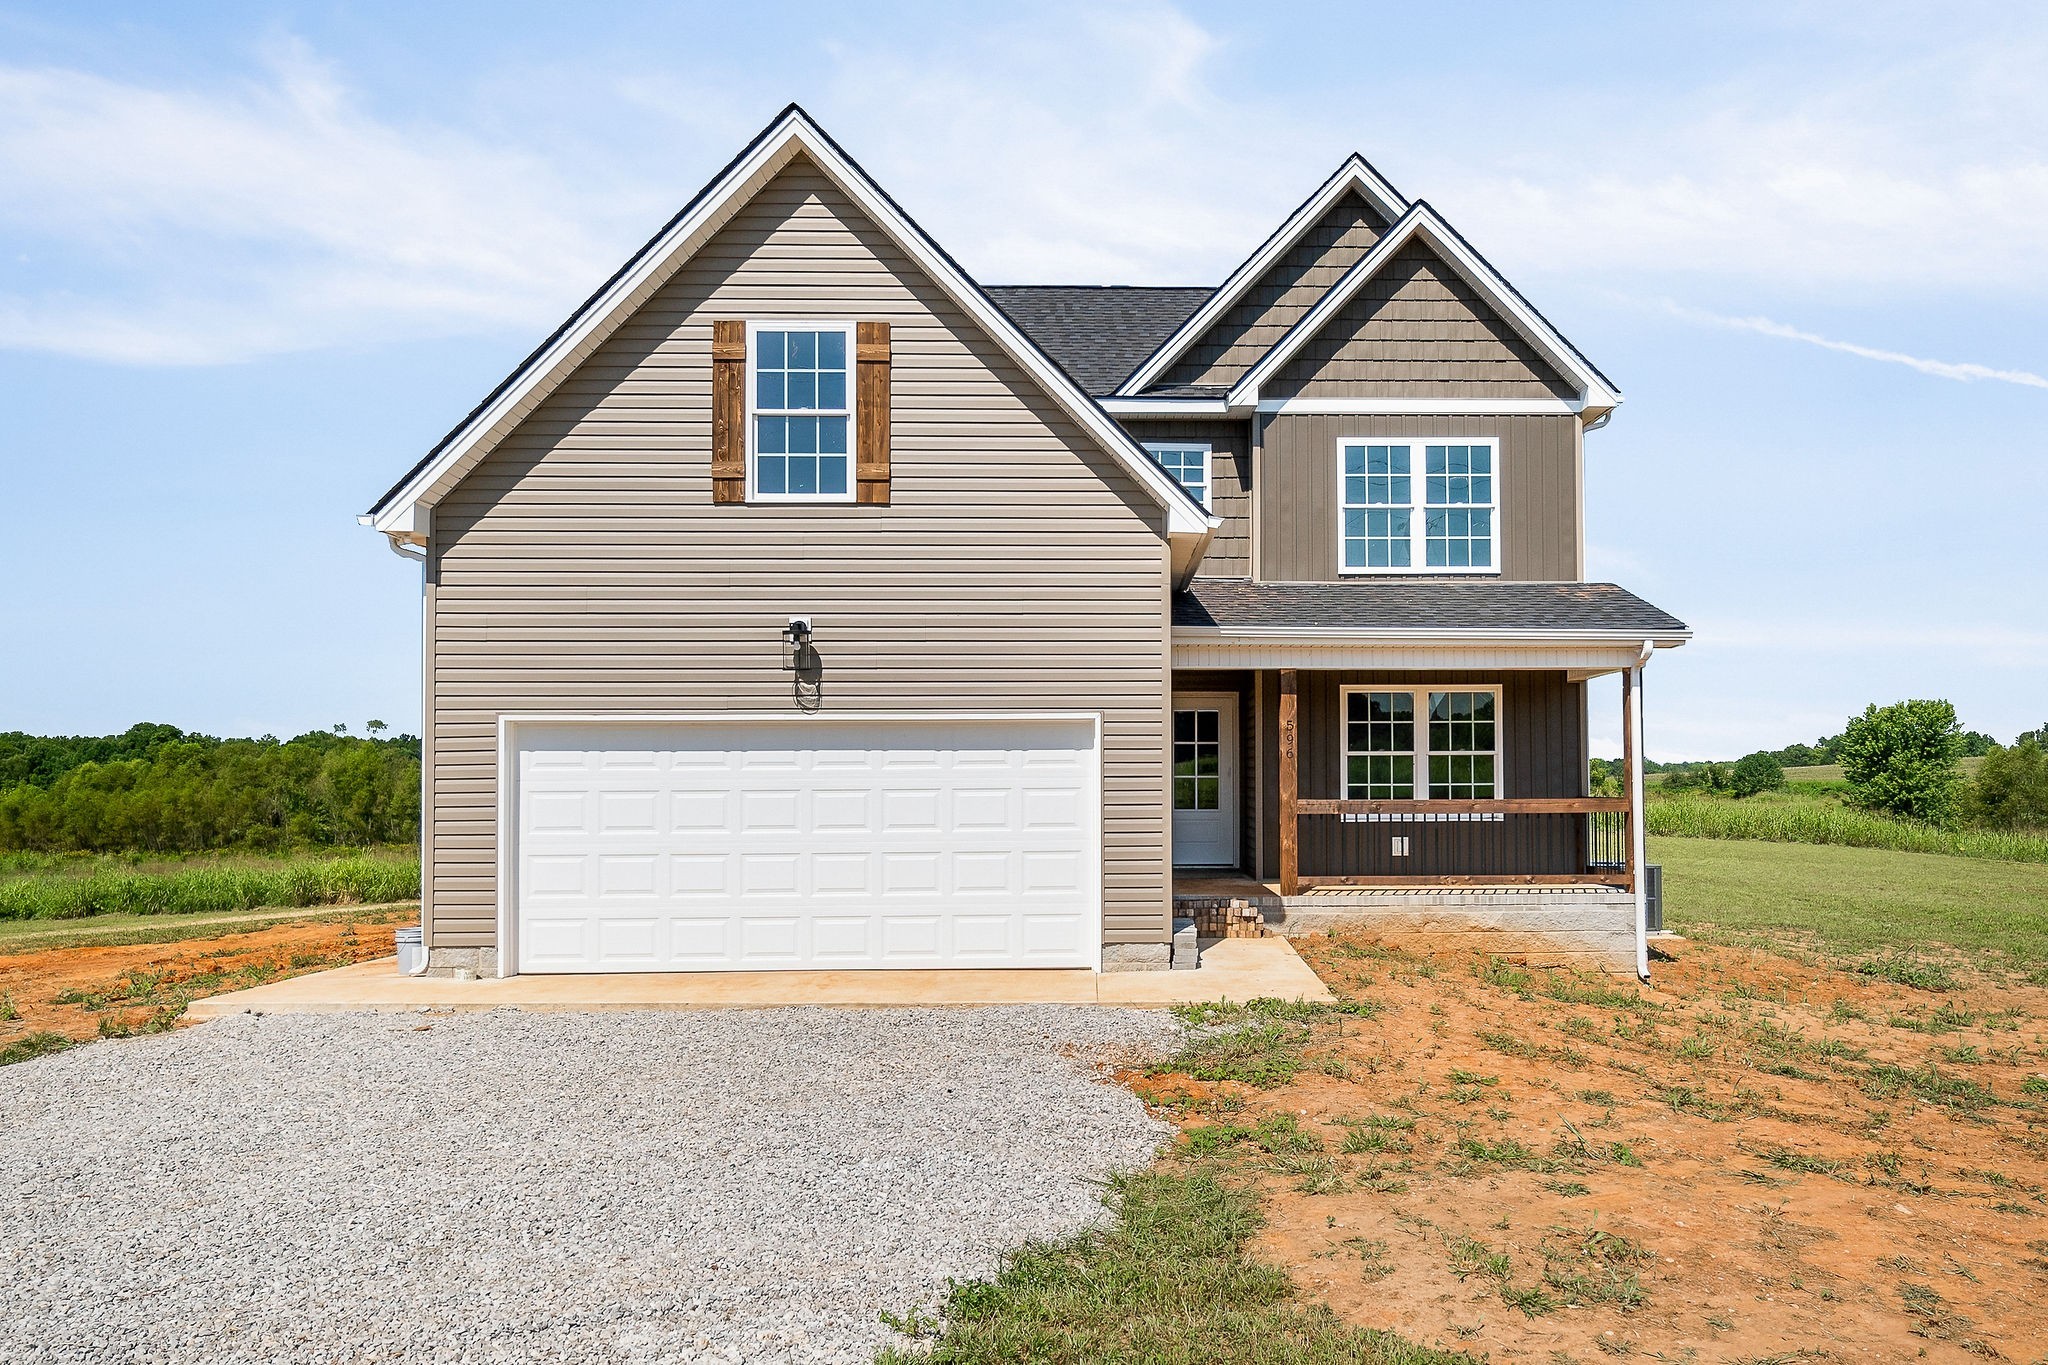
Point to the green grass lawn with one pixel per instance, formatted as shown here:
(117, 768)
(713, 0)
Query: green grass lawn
(1856, 900)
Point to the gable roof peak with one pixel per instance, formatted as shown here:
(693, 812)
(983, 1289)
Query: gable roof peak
(1354, 175)
(791, 134)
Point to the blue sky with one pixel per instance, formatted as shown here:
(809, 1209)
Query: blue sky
(255, 259)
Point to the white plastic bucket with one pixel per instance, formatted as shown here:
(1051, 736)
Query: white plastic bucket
(412, 950)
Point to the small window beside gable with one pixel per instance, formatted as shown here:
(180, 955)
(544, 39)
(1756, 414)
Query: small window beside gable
(800, 412)
(1417, 506)
(1188, 462)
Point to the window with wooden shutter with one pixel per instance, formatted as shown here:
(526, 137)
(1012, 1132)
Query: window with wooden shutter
(728, 411)
(871, 445)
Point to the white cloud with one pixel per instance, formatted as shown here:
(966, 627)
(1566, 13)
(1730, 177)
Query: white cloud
(194, 227)
(1966, 371)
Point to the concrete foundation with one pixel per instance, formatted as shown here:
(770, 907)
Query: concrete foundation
(1585, 927)
(455, 962)
(1137, 957)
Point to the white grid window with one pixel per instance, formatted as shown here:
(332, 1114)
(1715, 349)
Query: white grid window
(1379, 746)
(1189, 465)
(801, 398)
(1385, 749)
(1417, 506)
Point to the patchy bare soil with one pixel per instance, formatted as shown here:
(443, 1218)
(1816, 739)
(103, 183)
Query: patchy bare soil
(109, 991)
(1760, 1159)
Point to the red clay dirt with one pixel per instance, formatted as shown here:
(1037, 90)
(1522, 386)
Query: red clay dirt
(89, 992)
(1781, 1195)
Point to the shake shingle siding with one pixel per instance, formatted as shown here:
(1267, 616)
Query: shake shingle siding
(1250, 326)
(1416, 329)
(583, 568)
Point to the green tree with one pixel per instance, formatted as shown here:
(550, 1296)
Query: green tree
(1901, 759)
(2010, 790)
(1757, 772)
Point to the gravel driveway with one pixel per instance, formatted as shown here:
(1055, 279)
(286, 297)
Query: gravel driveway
(543, 1187)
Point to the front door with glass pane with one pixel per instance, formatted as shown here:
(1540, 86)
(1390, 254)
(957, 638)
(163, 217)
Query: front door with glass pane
(1205, 779)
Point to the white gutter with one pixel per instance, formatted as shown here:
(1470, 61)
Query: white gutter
(1377, 634)
(1639, 843)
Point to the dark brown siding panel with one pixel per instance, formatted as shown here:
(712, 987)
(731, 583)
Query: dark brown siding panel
(1418, 330)
(1249, 327)
(1538, 496)
(1542, 741)
(1230, 481)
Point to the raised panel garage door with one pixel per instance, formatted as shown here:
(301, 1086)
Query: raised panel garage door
(808, 843)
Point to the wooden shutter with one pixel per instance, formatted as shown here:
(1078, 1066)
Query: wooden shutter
(728, 411)
(871, 397)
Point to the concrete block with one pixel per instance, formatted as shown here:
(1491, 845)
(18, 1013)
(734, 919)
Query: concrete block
(1187, 948)
(1137, 957)
(462, 963)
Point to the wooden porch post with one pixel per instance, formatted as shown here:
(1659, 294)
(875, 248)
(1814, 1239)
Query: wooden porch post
(1290, 787)
(1631, 775)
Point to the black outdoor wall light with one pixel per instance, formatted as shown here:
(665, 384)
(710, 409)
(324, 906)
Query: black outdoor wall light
(798, 654)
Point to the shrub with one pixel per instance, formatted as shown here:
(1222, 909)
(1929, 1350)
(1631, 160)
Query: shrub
(1757, 772)
(1901, 759)
(2010, 790)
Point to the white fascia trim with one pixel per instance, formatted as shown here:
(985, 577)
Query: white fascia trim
(1423, 221)
(793, 133)
(1166, 407)
(1355, 174)
(1423, 407)
(1316, 635)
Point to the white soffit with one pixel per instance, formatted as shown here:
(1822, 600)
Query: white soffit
(791, 134)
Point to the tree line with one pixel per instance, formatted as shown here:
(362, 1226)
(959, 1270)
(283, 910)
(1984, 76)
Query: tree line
(156, 788)
(1899, 760)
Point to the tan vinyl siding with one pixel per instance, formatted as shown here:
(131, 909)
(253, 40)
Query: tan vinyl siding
(1418, 330)
(1248, 329)
(583, 568)
(1538, 496)
(1543, 753)
(1230, 484)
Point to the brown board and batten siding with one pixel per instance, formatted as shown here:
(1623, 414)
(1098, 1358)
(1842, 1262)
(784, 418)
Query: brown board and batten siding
(1542, 740)
(583, 567)
(1279, 298)
(1538, 500)
(1230, 485)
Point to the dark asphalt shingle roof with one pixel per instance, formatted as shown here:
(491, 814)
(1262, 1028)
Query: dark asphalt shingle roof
(1098, 333)
(1421, 604)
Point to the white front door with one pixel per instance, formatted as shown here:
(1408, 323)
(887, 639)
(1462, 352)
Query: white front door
(1205, 779)
(760, 844)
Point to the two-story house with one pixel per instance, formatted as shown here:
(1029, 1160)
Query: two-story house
(802, 603)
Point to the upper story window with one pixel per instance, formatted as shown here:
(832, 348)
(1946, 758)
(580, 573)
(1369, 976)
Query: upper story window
(801, 412)
(1454, 754)
(1187, 462)
(1385, 528)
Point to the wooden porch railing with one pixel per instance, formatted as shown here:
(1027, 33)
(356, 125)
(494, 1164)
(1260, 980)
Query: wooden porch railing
(1595, 870)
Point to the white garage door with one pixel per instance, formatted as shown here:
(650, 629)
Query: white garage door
(692, 846)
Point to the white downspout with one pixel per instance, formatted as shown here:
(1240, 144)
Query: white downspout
(1639, 843)
(426, 749)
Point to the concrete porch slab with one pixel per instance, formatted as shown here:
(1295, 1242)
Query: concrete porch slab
(1232, 969)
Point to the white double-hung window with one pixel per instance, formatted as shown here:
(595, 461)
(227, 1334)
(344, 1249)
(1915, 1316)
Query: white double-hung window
(1417, 506)
(800, 418)
(1401, 744)
(1188, 462)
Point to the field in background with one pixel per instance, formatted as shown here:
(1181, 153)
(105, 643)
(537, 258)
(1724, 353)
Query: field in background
(1810, 816)
(64, 886)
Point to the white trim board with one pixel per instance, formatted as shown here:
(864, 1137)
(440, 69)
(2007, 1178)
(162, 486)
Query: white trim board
(1421, 222)
(509, 723)
(1356, 174)
(791, 134)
